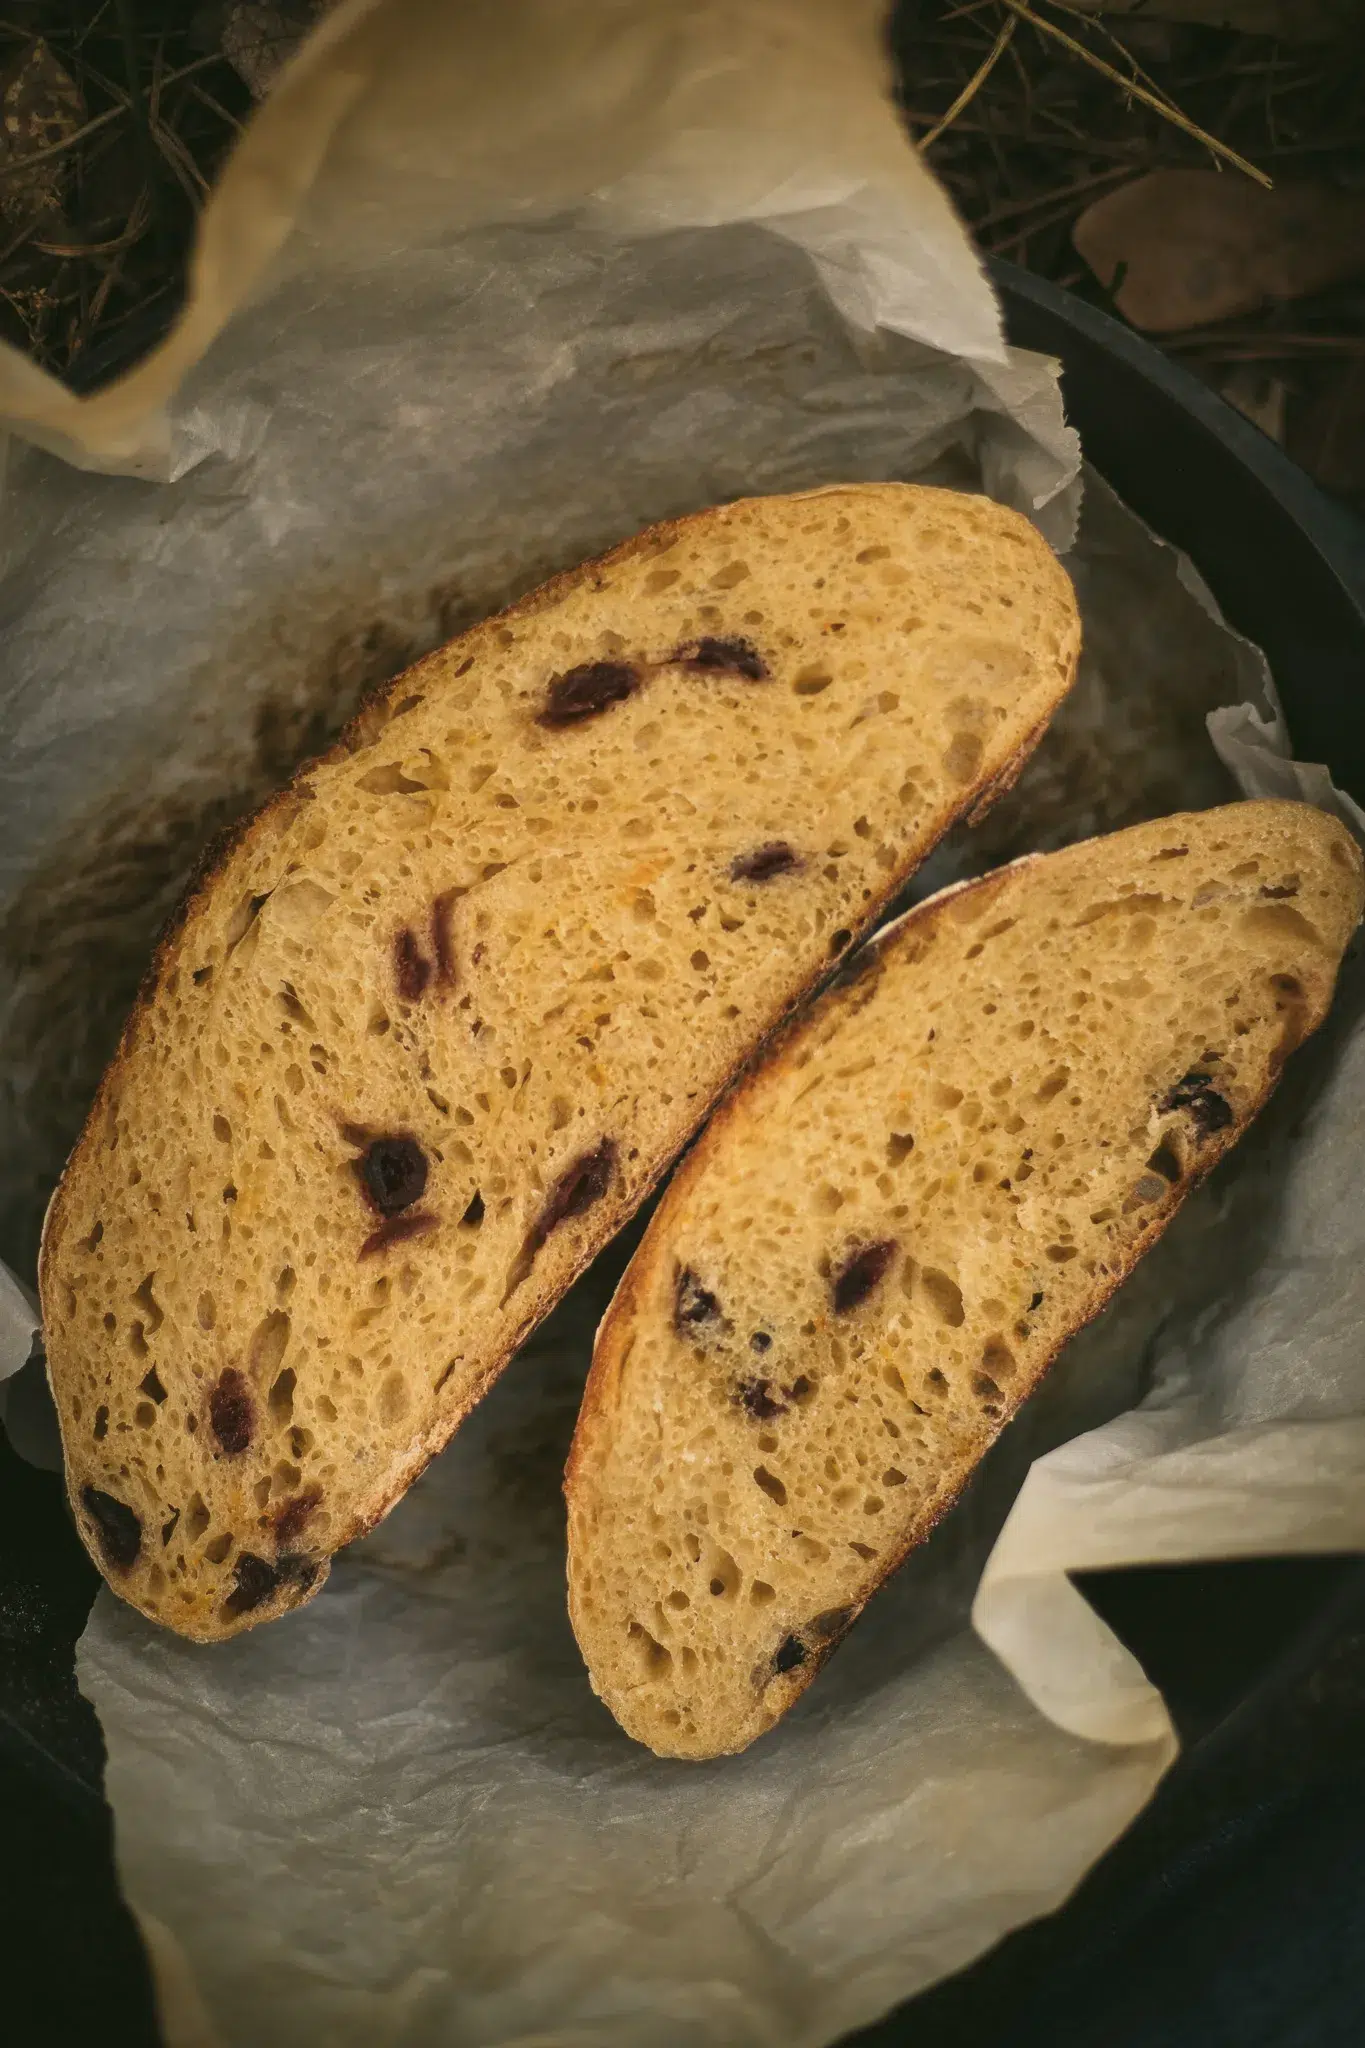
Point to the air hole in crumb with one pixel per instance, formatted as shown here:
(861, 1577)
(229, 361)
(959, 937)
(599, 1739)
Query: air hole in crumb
(1278, 921)
(724, 1580)
(268, 1343)
(811, 680)
(393, 1398)
(281, 1397)
(771, 1484)
(217, 1551)
(997, 1358)
(1166, 1161)
(945, 1297)
(652, 1654)
(962, 757)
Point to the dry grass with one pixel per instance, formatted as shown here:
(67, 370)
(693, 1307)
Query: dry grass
(1045, 130)
(125, 109)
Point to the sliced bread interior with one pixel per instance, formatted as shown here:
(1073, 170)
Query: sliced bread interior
(890, 1228)
(429, 1030)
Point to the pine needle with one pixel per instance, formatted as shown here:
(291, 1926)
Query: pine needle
(975, 82)
(1023, 12)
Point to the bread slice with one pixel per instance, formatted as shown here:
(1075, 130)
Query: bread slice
(431, 1028)
(890, 1228)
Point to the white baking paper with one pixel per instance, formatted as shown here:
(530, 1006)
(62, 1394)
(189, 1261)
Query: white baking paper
(488, 345)
(406, 1815)
(400, 120)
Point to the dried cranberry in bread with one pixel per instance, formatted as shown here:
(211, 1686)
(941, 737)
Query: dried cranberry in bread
(892, 1226)
(432, 1027)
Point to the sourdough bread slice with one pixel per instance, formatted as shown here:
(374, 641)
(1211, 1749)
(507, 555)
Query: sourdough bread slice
(432, 1027)
(891, 1227)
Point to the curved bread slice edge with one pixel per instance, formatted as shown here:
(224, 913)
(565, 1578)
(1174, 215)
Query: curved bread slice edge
(888, 1231)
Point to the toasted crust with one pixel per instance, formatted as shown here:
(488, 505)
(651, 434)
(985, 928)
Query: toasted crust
(245, 1350)
(968, 1313)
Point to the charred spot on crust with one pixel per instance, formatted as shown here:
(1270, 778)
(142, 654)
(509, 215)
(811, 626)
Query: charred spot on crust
(765, 862)
(860, 1273)
(288, 1522)
(257, 1580)
(692, 1303)
(393, 1173)
(411, 968)
(580, 1187)
(120, 1530)
(766, 1399)
(863, 965)
(791, 1653)
(1195, 1095)
(757, 1398)
(231, 1413)
(730, 656)
(441, 940)
(586, 691)
(394, 1229)
(829, 1626)
(414, 972)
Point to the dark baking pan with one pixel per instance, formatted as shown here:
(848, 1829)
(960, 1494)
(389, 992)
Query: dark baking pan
(1232, 1913)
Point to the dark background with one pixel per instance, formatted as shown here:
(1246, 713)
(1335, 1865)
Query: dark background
(1233, 1911)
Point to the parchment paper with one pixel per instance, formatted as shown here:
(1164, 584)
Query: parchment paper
(399, 1816)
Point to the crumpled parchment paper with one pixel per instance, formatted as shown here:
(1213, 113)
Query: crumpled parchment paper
(399, 1816)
